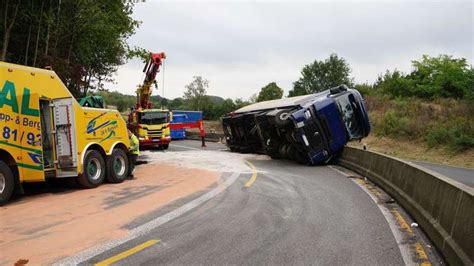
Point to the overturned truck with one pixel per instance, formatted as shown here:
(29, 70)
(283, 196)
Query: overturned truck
(310, 129)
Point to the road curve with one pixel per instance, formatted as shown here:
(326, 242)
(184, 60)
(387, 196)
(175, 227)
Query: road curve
(461, 174)
(291, 214)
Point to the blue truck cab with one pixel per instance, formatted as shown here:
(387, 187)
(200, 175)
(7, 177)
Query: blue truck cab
(310, 129)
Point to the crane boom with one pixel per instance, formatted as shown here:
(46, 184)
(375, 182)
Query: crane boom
(152, 67)
(151, 126)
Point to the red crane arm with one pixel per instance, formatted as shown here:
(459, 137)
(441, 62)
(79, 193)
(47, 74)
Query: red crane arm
(152, 67)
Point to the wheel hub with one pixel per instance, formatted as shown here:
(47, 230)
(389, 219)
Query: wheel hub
(94, 169)
(119, 165)
(2, 183)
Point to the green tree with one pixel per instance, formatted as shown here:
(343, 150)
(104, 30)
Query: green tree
(239, 103)
(442, 76)
(253, 98)
(195, 94)
(176, 104)
(270, 92)
(394, 83)
(364, 88)
(322, 75)
(10, 12)
(432, 77)
(82, 40)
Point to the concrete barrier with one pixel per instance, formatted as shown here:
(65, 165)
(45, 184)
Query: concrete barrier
(443, 208)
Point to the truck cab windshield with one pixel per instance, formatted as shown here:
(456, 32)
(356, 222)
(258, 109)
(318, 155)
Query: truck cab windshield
(350, 115)
(153, 118)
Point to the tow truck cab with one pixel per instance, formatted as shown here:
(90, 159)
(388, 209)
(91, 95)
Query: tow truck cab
(152, 127)
(309, 129)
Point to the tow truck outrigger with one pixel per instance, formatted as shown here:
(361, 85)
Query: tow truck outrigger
(151, 126)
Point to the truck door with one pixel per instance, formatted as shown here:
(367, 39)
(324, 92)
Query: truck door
(29, 134)
(65, 137)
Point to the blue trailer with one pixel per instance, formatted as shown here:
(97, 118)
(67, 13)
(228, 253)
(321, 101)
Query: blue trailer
(310, 129)
(185, 119)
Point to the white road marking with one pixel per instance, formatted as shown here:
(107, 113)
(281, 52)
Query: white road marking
(186, 147)
(147, 227)
(402, 244)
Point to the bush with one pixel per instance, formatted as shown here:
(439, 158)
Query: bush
(392, 124)
(444, 122)
(437, 136)
(457, 135)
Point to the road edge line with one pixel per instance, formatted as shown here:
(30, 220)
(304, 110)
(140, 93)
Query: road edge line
(185, 147)
(141, 230)
(402, 245)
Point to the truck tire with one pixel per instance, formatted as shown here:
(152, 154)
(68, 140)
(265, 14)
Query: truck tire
(165, 146)
(273, 152)
(117, 166)
(283, 151)
(282, 119)
(94, 169)
(6, 183)
(298, 156)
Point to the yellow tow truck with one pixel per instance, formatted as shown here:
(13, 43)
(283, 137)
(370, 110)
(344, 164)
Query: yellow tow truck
(45, 133)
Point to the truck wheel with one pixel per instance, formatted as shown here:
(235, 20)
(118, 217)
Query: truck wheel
(165, 146)
(283, 151)
(298, 156)
(6, 183)
(117, 166)
(93, 172)
(273, 152)
(282, 119)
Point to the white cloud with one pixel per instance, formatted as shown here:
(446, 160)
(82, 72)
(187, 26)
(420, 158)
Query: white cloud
(240, 47)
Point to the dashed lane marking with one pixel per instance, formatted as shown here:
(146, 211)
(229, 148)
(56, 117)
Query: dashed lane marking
(128, 253)
(254, 174)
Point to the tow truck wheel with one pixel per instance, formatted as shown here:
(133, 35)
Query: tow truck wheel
(93, 172)
(6, 183)
(165, 146)
(117, 166)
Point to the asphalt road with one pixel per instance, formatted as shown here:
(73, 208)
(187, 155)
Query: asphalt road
(290, 215)
(460, 174)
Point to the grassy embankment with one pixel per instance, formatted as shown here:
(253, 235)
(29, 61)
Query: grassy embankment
(440, 131)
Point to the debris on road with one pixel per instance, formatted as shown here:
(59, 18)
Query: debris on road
(71, 221)
(212, 160)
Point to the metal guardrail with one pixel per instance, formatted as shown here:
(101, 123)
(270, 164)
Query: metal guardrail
(443, 208)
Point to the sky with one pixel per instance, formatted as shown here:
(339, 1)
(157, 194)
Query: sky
(242, 46)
